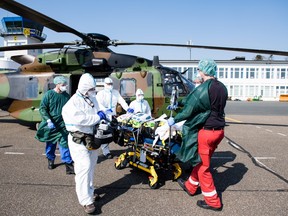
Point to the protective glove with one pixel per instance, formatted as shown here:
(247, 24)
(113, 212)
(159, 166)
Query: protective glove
(129, 110)
(109, 112)
(172, 107)
(171, 121)
(101, 115)
(50, 124)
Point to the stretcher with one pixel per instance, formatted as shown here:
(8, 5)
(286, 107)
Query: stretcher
(148, 146)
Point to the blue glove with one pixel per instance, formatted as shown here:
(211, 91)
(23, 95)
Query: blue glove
(50, 124)
(101, 115)
(171, 121)
(129, 110)
(172, 107)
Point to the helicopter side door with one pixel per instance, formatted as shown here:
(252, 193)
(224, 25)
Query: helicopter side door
(130, 82)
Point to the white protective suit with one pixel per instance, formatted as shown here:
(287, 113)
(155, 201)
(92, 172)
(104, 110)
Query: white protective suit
(79, 114)
(140, 105)
(108, 98)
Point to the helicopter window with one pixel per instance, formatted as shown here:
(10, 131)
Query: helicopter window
(188, 85)
(128, 87)
(171, 80)
(23, 87)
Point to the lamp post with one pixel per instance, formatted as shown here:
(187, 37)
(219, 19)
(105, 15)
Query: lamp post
(189, 42)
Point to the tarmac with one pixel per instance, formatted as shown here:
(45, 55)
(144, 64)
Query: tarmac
(249, 169)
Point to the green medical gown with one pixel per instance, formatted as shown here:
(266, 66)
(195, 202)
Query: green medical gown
(196, 111)
(51, 108)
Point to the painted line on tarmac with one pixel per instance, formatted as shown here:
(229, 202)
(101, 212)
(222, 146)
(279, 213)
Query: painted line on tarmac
(234, 120)
(281, 134)
(14, 153)
(21, 153)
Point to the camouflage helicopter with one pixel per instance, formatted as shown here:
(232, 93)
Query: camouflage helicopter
(22, 90)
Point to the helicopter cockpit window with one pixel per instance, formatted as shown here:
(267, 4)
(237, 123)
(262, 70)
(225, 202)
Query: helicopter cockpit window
(171, 80)
(127, 87)
(187, 84)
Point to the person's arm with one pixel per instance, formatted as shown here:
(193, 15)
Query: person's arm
(148, 109)
(122, 102)
(44, 107)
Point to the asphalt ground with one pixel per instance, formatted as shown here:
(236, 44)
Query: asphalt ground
(249, 169)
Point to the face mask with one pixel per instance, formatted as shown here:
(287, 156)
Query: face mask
(109, 87)
(140, 98)
(91, 93)
(63, 88)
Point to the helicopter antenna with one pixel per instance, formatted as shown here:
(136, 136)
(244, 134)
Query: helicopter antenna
(156, 62)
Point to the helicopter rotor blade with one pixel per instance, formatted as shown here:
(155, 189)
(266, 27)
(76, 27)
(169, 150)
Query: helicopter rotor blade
(271, 52)
(36, 46)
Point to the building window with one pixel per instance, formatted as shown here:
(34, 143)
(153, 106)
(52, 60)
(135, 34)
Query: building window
(242, 73)
(252, 73)
(282, 73)
(247, 73)
(237, 73)
(221, 73)
(268, 75)
(226, 73)
(231, 73)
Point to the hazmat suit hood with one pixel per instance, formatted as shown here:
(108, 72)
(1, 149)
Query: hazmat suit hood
(86, 83)
(139, 95)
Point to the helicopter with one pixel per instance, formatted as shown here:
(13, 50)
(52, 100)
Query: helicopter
(21, 91)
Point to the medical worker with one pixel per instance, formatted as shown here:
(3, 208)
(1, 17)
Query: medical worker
(204, 126)
(52, 128)
(108, 98)
(81, 113)
(140, 104)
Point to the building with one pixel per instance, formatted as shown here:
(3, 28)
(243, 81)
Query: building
(19, 31)
(244, 79)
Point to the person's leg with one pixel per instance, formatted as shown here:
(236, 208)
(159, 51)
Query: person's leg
(106, 151)
(192, 183)
(93, 159)
(50, 150)
(64, 151)
(50, 154)
(82, 167)
(208, 141)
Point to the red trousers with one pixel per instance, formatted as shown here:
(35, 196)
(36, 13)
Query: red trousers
(208, 141)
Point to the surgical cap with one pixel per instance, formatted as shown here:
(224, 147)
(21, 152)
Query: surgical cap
(59, 79)
(108, 80)
(208, 67)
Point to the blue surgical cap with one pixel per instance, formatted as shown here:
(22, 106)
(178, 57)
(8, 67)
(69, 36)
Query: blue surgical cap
(59, 79)
(208, 67)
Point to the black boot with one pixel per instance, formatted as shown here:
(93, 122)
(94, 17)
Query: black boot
(51, 164)
(69, 169)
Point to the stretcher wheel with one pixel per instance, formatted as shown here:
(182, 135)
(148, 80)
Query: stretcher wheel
(154, 186)
(152, 183)
(121, 165)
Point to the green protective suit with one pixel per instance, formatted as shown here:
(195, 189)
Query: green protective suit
(195, 111)
(51, 108)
